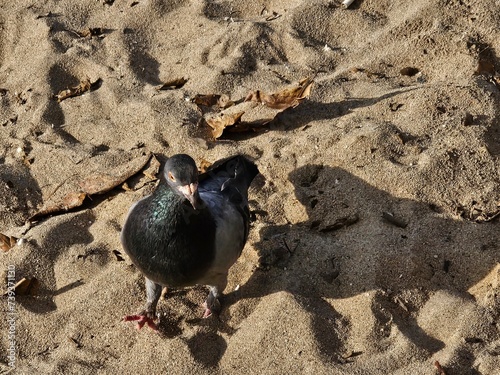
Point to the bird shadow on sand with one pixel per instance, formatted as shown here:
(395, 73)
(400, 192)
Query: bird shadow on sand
(70, 231)
(346, 248)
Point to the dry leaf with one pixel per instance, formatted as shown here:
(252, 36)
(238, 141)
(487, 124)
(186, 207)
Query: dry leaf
(212, 101)
(224, 102)
(173, 84)
(7, 242)
(91, 31)
(149, 174)
(248, 115)
(287, 98)
(207, 100)
(69, 201)
(96, 183)
(153, 168)
(222, 121)
(99, 183)
(83, 87)
(73, 200)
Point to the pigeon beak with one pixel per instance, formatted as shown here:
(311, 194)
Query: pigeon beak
(191, 193)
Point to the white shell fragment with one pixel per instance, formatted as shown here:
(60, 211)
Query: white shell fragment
(347, 3)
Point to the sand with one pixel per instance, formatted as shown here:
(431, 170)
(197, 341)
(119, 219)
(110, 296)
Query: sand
(375, 245)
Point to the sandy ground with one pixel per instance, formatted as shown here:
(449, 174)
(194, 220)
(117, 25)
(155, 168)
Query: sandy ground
(374, 249)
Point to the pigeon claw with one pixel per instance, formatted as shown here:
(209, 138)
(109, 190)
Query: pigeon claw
(207, 313)
(141, 321)
(215, 308)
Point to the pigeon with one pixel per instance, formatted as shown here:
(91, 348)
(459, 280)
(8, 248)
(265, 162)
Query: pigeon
(190, 230)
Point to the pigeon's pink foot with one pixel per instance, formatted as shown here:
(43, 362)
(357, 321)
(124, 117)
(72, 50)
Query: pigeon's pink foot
(141, 320)
(207, 312)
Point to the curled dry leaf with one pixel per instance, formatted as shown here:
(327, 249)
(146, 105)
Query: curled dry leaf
(248, 115)
(7, 242)
(149, 173)
(92, 31)
(84, 86)
(96, 183)
(173, 84)
(207, 100)
(287, 98)
(153, 168)
(211, 100)
(73, 200)
(222, 121)
(69, 201)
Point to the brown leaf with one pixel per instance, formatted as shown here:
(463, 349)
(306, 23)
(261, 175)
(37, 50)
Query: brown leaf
(224, 101)
(91, 31)
(152, 169)
(248, 115)
(73, 200)
(100, 183)
(213, 101)
(69, 201)
(207, 100)
(96, 183)
(222, 121)
(287, 98)
(83, 87)
(173, 84)
(7, 242)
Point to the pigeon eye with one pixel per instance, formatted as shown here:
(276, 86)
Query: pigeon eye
(171, 176)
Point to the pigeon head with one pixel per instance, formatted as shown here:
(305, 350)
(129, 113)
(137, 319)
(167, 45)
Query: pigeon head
(182, 175)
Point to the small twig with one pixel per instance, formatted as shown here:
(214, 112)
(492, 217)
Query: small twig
(394, 220)
(288, 247)
(401, 303)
